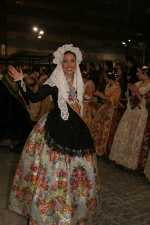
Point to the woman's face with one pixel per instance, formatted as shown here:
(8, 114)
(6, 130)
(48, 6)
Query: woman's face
(140, 75)
(69, 64)
(119, 72)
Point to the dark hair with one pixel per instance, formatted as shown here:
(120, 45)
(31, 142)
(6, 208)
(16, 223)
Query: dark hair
(110, 74)
(109, 64)
(86, 76)
(43, 69)
(130, 58)
(69, 52)
(145, 70)
(91, 64)
(122, 69)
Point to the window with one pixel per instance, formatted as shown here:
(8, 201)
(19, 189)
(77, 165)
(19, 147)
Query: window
(107, 44)
(21, 19)
(62, 39)
(3, 17)
(21, 37)
(92, 56)
(3, 49)
(107, 56)
(63, 24)
(41, 5)
(108, 29)
(79, 10)
(75, 27)
(139, 34)
(92, 41)
(109, 2)
(41, 21)
(93, 27)
(20, 4)
(63, 8)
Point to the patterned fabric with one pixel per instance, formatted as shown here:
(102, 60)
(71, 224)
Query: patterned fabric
(131, 142)
(117, 115)
(90, 108)
(101, 124)
(72, 133)
(43, 107)
(147, 167)
(90, 104)
(54, 189)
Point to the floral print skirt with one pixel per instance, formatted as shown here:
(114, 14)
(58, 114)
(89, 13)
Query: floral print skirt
(54, 189)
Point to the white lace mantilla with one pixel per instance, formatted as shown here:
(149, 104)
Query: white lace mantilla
(58, 79)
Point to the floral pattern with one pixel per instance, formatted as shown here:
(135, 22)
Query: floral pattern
(106, 120)
(131, 142)
(52, 188)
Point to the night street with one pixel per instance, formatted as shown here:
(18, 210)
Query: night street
(125, 194)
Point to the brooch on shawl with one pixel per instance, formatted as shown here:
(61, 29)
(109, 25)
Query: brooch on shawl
(72, 96)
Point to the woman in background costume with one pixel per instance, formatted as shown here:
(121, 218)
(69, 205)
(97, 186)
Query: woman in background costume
(106, 120)
(131, 142)
(90, 104)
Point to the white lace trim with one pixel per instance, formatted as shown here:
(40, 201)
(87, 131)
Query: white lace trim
(143, 90)
(61, 50)
(58, 79)
(23, 84)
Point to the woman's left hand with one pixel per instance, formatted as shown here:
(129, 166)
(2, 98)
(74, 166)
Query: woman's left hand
(133, 88)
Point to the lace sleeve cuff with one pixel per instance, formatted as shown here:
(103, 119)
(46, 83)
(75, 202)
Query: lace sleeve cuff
(22, 84)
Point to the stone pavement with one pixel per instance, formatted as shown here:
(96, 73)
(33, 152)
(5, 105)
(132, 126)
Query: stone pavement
(125, 194)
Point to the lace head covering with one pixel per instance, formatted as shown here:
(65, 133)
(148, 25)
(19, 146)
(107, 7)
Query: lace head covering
(58, 79)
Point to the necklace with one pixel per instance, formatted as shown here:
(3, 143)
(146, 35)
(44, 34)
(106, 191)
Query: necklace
(68, 79)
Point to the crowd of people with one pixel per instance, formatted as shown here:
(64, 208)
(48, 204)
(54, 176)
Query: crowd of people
(76, 112)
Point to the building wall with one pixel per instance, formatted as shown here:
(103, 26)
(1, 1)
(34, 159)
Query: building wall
(98, 27)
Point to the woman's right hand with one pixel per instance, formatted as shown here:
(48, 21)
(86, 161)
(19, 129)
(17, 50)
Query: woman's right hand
(14, 73)
(99, 94)
(96, 93)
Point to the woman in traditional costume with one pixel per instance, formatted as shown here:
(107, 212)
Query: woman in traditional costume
(90, 104)
(131, 142)
(105, 122)
(57, 179)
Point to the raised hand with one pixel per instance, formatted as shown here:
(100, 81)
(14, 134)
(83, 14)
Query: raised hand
(96, 93)
(132, 87)
(99, 94)
(14, 73)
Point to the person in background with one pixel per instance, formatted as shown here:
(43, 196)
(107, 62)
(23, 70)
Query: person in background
(15, 123)
(132, 70)
(131, 142)
(107, 65)
(105, 121)
(89, 101)
(92, 73)
(57, 179)
(120, 79)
